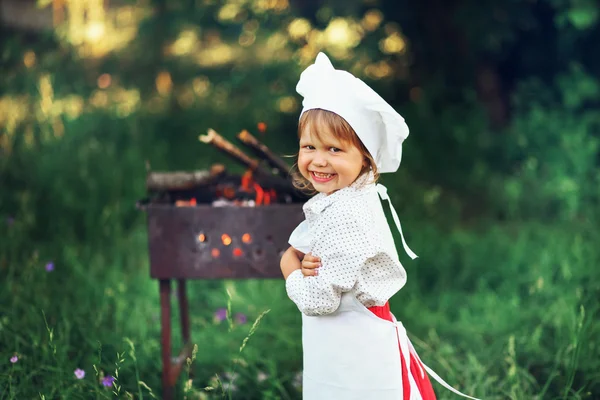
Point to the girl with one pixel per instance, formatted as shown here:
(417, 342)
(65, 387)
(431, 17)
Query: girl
(342, 266)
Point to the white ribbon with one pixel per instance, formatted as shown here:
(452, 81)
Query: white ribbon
(444, 384)
(382, 190)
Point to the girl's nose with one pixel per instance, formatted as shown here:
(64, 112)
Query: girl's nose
(320, 161)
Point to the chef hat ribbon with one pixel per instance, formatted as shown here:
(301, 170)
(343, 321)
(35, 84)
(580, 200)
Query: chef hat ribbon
(382, 190)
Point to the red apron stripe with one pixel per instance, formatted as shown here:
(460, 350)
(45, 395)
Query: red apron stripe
(422, 380)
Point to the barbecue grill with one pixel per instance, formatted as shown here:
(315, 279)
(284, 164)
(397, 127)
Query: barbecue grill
(214, 225)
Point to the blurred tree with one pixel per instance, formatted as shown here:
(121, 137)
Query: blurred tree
(473, 54)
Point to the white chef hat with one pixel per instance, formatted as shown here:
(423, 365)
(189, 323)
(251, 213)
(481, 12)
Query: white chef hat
(380, 128)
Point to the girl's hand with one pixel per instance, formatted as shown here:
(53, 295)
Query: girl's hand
(310, 265)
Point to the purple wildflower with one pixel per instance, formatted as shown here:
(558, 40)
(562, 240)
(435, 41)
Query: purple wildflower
(221, 314)
(241, 318)
(10, 221)
(50, 266)
(14, 359)
(79, 373)
(108, 381)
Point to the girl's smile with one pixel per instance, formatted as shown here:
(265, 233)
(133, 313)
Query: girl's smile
(321, 177)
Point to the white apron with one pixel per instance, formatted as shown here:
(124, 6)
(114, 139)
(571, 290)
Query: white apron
(352, 354)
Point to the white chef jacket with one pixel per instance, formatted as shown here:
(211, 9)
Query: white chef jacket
(349, 232)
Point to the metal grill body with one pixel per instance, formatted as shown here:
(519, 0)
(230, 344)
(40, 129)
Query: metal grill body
(188, 242)
(205, 242)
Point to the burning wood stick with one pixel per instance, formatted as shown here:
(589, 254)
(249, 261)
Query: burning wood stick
(212, 137)
(176, 180)
(263, 151)
(262, 175)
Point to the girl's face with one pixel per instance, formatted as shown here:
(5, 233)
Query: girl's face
(327, 163)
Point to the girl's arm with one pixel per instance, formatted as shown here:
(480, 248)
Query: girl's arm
(344, 250)
(290, 261)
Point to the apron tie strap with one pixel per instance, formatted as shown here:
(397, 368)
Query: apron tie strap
(382, 190)
(445, 384)
(405, 349)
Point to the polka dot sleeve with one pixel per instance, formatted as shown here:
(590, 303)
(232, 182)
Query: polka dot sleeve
(344, 247)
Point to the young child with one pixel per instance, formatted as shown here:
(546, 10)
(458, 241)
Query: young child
(342, 266)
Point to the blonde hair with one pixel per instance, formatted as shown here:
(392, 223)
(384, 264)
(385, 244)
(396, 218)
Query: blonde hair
(342, 131)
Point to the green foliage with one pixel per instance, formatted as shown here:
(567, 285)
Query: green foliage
(552, 148)
(526, 324)
(582, 14)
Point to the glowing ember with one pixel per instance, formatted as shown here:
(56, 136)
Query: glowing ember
(226, 239)
(186, 203)
(246, 238)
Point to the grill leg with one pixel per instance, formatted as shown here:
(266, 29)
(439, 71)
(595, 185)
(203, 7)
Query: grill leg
(165, 327)
(184, 311)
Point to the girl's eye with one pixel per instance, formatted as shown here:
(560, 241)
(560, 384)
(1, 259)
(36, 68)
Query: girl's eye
(308, 147)
(335, 149)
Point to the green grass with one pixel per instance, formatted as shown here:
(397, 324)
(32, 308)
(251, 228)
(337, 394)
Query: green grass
(506, 312)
